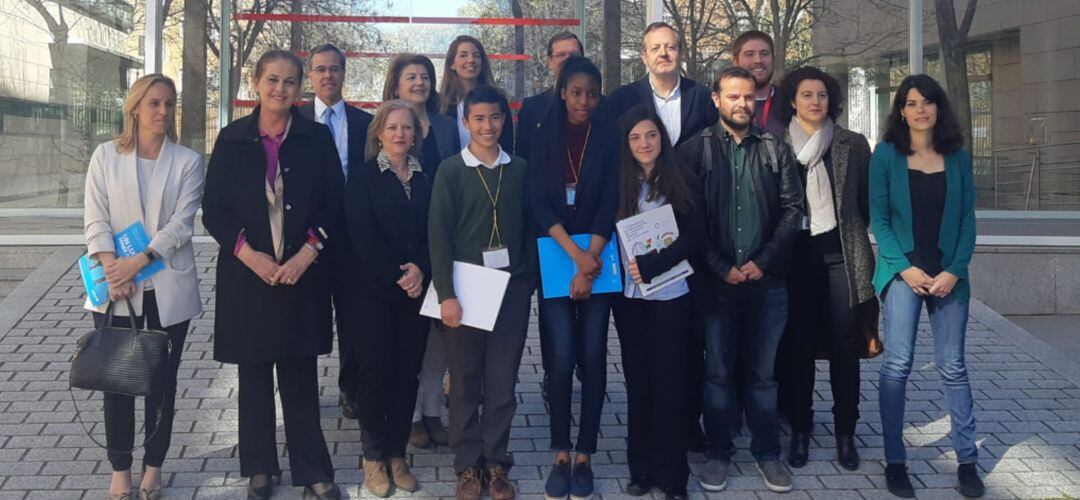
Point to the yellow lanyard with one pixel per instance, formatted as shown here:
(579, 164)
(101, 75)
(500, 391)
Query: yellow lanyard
(581, 159)
(495, 236)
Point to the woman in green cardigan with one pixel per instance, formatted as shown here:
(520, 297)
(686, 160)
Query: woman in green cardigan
(922, 211)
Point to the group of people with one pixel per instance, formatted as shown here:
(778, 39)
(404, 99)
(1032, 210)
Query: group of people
(325, 214)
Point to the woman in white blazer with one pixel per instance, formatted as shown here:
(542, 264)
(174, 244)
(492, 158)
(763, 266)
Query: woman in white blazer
(144, 176)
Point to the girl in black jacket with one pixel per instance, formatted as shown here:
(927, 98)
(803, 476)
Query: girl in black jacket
(654, 331)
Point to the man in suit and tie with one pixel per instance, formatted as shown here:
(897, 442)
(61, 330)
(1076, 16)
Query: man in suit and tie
(535, 108)
(684, 106)
(348, 126)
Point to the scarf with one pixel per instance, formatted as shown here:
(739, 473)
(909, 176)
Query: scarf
(810, 151)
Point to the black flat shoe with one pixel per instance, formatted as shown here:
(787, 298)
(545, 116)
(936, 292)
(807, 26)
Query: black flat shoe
(846, 452)
(348, 406)
(675, 495)
(334, 493)
(970, 485)
(263, 492)
(638, 487)
(799, 451)
(898, 482)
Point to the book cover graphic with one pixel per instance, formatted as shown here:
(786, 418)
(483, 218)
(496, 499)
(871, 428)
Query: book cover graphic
(648, 232)
(557, 269)
(129, 242)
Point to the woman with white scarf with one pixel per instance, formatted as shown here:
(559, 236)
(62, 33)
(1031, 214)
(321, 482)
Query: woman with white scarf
(832, 265)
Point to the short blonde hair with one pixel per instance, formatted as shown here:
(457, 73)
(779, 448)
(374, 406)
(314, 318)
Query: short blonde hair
(372, 148)
(125, 142)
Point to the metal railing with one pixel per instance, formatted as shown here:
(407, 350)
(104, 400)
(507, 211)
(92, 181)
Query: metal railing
(1037, 177)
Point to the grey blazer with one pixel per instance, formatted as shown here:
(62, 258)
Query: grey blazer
(849, 174)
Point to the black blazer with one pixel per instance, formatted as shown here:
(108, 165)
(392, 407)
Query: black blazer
(506, 138)
(386, 228)
(533, 111)
(446, 140)
(256, 322)
(357, 121)
(698, 110)
(597, 189)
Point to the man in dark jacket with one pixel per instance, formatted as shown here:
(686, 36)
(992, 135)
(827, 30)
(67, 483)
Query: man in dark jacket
(682, 104)
(535, 108)
(753, 51)
(348, 126)
(754, 202)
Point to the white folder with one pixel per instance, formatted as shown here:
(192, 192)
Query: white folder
(480, 291)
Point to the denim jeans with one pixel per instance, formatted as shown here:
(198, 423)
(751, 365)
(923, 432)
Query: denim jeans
(948, 323)
(577, 336)
(744, 322)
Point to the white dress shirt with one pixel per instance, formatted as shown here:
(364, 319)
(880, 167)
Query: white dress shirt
(669, 108)
(339, 127)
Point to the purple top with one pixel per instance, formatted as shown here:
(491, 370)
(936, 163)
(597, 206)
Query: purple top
(271, 145)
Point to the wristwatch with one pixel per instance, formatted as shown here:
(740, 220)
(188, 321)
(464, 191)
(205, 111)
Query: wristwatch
(151, 257)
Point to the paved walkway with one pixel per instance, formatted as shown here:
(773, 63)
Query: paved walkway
(1027, 405)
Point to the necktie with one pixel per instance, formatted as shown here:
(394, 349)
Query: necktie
(328, 119)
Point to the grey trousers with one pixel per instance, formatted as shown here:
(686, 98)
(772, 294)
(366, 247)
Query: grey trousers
(483, 370)
(429, 398)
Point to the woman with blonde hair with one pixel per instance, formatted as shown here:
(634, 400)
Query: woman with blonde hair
(144, 177)
(386, 211)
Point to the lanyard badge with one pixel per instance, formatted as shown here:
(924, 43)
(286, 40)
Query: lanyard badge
(497, 256)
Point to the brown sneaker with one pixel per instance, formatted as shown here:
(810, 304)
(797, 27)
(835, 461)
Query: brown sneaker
(418, 437)
(499, 485)
(468, 484)
(375, 479)
(403, 477)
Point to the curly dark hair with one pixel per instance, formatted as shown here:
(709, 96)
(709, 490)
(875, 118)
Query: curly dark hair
(947, 136)
(790, 87)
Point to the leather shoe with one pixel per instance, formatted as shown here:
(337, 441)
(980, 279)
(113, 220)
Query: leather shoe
(261, 492)
(348, 406)
(334, 493)
(846, 453)
(799, 451)
(638, 486)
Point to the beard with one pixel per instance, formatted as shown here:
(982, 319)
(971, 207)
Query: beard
(731, 122)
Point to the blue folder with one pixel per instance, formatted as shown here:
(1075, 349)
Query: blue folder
(129, 242)
(557, 269)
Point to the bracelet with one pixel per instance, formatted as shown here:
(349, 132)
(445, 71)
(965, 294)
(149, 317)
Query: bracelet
(313, 249)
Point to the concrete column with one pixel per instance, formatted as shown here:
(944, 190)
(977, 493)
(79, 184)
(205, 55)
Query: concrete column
(152, 41)
(224, 103)
(654, 11)
(915, 37)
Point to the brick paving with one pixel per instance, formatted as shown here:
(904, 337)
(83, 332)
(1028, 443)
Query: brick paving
(1028, 422)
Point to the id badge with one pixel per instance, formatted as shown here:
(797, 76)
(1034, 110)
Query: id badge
(571, 193)
(497, 258)
(805, 224)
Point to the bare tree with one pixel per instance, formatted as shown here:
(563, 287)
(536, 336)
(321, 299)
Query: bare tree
(296, 30)
(519, 48)
(612, 45)
(243, 35)
(193, 99)
(953, 40)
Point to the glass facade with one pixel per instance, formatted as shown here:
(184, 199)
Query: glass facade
(65, 67)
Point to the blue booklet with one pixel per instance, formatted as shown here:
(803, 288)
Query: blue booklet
(557, 269)
(129, 242)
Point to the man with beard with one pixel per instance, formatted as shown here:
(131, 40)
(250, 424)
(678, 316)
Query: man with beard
(753, 51)
(754, 200)
(348, 126)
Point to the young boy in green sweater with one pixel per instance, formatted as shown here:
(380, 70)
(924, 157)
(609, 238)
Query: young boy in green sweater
(479, 215)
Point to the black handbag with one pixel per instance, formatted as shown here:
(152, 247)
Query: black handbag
(120, 360)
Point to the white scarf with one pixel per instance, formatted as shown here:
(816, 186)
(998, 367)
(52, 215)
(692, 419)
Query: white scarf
(810, 151)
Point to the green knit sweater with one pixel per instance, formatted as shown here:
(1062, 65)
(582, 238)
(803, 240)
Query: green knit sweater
(460, 221)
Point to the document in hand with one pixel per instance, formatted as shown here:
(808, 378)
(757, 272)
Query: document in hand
(129, 242)
(557, 269)
(480, 291)
(648, 232)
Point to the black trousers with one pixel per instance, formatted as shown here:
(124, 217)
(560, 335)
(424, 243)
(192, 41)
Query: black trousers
(120, 409)
(483, 372)
(820, 316)
(654, 337)
(695, 368)
(390, 349)
(298, 382)
(349, 324)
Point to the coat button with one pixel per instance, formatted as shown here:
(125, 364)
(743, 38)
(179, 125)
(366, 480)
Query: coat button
(286, 170)
(288, 207)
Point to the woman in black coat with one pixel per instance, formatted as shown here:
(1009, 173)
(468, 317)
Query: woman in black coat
(386, 209)
(272, 198)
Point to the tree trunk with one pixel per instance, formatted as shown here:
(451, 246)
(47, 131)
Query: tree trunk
(296, 30)
(193, 99)
(519, 48)
(612, 46)
(954, 58)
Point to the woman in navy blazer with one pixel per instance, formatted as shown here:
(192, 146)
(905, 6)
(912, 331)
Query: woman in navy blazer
(411, 78)
(922, 211)
(573, 189)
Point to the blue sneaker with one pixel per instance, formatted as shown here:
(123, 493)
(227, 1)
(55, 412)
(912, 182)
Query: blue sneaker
(581, 485)
(558, 482)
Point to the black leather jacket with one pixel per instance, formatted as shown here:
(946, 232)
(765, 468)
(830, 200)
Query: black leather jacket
(778, 190)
